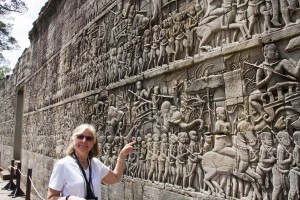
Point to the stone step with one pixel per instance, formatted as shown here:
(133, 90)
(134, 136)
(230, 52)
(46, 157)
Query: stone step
(5, 175)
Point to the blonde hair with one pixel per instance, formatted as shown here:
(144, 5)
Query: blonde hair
(94, 152)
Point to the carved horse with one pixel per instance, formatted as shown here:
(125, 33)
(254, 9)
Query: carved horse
(213, 24)
(215, 164)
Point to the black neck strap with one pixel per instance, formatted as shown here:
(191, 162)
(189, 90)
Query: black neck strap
(89, 192)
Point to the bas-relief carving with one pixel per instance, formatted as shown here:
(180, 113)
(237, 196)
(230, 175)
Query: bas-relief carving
(7, 133)
(237, 143)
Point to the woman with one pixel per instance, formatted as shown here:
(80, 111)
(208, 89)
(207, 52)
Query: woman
(79, 175)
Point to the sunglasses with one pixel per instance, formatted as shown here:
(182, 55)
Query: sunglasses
(87, 138)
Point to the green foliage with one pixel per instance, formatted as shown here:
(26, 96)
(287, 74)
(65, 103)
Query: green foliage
(8, 6)
(4, 70)
(7, 42)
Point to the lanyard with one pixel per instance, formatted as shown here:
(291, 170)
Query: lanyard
(89, 192)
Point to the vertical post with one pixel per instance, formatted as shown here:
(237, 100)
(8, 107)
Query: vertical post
(18, 124)
(18, 191)
(11, 185)
(28, 184)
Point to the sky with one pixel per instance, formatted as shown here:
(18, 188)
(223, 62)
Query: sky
(22, 26)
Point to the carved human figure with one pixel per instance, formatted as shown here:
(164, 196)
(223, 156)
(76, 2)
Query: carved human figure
(165, 116)
(154, 47)
(266, 11)
(115, 150)
(121, 127)
(126, 57)
(134, 132)
(149, 143)
(241, 17)
(140, 94)
(281, 169)
(253, 162)
(132, 165)
(192, 22)
(163, 153)
(142, 160)
(194, 167)
(98, 107)
(285, 9)
(245, 141)
(164, 42)
(215, 9)
(146, 50)
(114, 117)
(294, 175)
(114, 64)
(138, 53)
(119, 71)
(221, 125)
(107, 150)
(208, 142)
(93, 47)
(178, 87)
(172, 156)
(272, 72)
(266, 160)
(223, 144)
(141, 23)
(179, 34)
(181, 159)
(155, 98)
(154, 152)
(170, 31)
(128, 7)
(90, 77)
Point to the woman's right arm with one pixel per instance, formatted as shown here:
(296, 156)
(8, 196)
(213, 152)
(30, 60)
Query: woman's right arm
(54, 195)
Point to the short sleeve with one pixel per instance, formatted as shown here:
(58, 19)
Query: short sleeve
(57, 177)
(103, 170)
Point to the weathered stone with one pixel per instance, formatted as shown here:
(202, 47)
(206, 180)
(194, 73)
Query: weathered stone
(117, 191)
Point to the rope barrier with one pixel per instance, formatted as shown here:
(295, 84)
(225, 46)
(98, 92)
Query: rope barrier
(31, 184)
(35, 189)
(21, 173)
(16, 187)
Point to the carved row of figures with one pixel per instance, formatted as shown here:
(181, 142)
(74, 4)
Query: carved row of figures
(193, 160)
(245, 164)
(168, 112)
(186, 159)
(98, 57)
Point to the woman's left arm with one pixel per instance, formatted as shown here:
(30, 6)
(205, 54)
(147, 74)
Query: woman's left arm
(116, 175)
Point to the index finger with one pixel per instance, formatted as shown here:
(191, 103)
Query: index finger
(132, 143)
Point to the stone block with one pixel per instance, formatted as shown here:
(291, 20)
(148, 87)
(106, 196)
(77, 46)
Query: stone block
(104, 192)
(5, 175)
(138, 189)
(151, 193)
(129, 191)
(116, 192)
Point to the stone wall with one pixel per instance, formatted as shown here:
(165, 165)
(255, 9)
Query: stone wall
(209, 89)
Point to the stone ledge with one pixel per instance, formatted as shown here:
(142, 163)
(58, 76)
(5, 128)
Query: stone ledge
(5, 175)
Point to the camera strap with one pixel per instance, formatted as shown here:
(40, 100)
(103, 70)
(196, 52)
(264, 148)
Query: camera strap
(89, 191)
